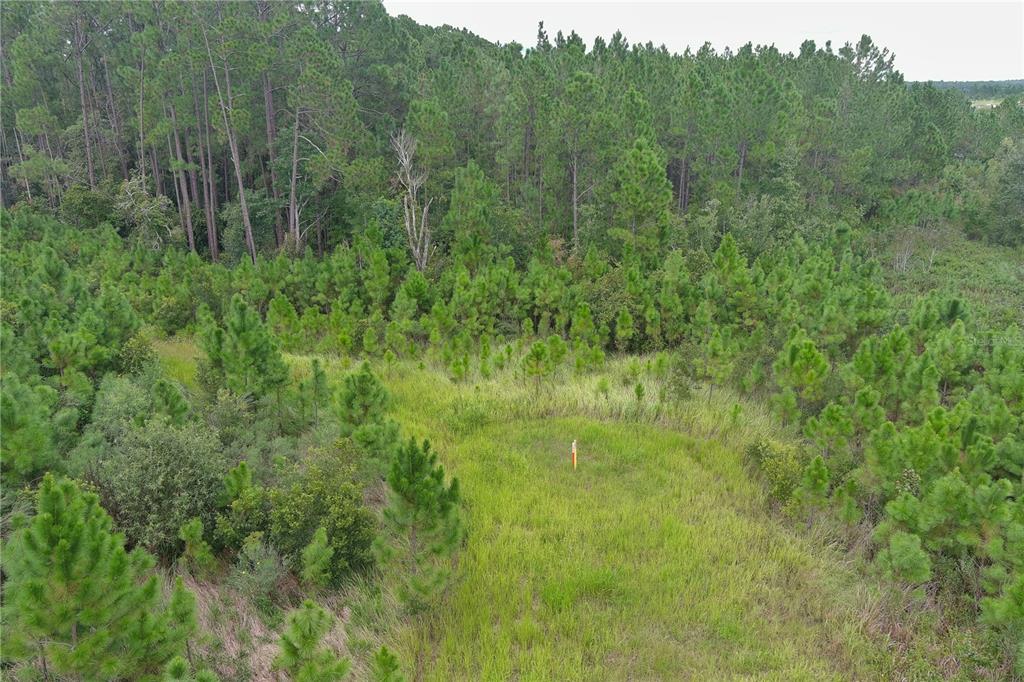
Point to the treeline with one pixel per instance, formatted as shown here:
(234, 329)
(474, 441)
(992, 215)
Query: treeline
(271, 125)
(983, 89)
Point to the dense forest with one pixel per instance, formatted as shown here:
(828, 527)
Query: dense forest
(318, 198)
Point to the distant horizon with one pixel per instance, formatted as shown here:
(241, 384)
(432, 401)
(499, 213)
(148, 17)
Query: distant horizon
(931, 41)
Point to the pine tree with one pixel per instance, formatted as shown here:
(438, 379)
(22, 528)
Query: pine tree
(283, 323)
(316, 559)
(384, 667)
(423, 521)
(302, 656)
(801, 367)
(642, 199)
(536, 363)
(623, 330)
(314, 391)
(236, 482)
(179, 670)
(242, 352)
(557, 350)
(168, 400)
(814, 484)
(79, 603)
(904, 558)
(27, 446)
(363, 405)
(197, 555)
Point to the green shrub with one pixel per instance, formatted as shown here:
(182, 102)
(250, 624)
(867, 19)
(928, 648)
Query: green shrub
(136, 354)
(121, 405)
(781, 464)
(257, 572)
(158, 478)
(325, 497)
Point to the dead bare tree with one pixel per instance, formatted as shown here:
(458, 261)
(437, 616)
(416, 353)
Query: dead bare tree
(417, 228)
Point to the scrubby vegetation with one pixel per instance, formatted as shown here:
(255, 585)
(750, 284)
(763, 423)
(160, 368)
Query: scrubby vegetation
(776, 298)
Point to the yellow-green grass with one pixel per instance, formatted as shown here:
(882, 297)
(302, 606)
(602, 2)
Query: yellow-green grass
(659, 558)
(178, 359)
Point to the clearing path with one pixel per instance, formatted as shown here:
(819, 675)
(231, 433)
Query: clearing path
(656, 560)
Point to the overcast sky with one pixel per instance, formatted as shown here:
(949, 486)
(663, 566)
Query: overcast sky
(932, 40)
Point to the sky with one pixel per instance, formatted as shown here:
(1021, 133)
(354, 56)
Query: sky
(931, 40)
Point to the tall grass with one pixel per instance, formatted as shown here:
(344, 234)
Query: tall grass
(659, 558)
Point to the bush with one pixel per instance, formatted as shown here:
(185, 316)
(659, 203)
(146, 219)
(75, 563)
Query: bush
(136, 354)
(158, 478)
(781, 464)
(121, 405)
(258, 571)
(323, 497)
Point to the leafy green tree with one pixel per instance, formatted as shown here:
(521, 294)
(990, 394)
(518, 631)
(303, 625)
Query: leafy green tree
(81, 605)
(317, 496)
(422, 519)
(158, 478)
(302, 656)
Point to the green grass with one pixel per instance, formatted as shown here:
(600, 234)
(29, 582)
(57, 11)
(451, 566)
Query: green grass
(659, 558)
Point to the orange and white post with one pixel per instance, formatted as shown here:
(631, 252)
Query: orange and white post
(574, 455)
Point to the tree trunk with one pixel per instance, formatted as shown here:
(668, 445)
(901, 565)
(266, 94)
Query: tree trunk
(21, 156)
(115, 120)
(233, 146)
(158, 181)
(574, 165)
(293, 212)
(268, 107)
(142, 139)
(79, 49)
(177, 189)
(204, 178)
(186, 205)
(211, 227)
(743, 159)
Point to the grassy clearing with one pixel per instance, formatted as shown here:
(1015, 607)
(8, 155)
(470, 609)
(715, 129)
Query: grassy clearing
(659, 558)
